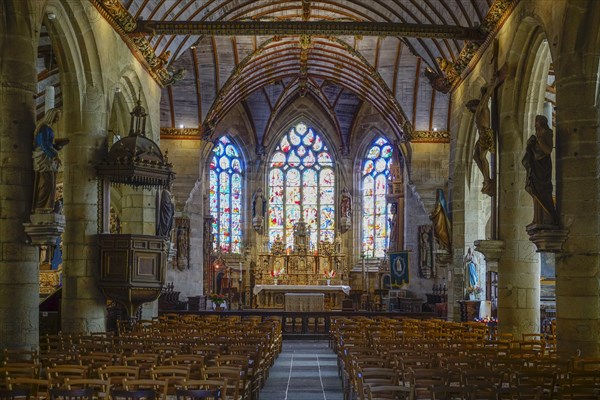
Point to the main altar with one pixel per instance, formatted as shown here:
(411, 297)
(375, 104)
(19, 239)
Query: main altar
(288, 278)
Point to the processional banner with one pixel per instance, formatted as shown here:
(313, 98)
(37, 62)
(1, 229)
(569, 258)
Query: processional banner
(399, 268)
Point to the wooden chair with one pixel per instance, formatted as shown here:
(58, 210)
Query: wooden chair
(99, 386)
(206, 384)
(198, 394)
(160, 387)
(115, 374)
(38, 388)
(172, 374)
(390, 392)
(14, 394)
(233, 376)
(58, 373)
(519, 393)
(71, 394)
(116, 394)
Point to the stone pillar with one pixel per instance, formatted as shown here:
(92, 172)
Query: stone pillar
(83, 306)
(578, 265)
(519, 265)
(19, 277)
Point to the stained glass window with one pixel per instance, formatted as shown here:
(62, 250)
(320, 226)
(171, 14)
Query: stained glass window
(225, 198)
(301, 183)
(376, 212)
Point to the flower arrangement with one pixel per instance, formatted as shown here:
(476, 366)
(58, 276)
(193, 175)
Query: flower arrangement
(217, 299)
(329, 274)
(474, 290)
(487, 320)
(276, 273)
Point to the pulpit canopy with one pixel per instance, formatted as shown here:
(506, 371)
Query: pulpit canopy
(136, 160)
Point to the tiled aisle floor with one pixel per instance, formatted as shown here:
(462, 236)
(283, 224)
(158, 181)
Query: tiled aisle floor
(305, 370)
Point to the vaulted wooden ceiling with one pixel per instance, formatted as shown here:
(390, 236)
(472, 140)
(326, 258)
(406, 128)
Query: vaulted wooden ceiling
(264, 73)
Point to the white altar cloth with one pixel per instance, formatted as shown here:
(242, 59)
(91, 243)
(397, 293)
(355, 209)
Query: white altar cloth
(273, 296)
(302, 288)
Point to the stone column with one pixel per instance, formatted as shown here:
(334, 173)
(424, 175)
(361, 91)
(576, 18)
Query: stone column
(578, 265)
(19, 277)
(519, 265)
(83, 306)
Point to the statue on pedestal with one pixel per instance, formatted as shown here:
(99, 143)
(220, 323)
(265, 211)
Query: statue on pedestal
(345, 210)
(538, 164)
(259, 208)
(46, 163)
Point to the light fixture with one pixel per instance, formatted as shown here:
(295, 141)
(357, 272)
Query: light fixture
(181, 126)
(51, 16)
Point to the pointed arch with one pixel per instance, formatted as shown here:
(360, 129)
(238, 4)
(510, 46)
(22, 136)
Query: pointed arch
(301, 185)
(376, 212)
(225, 195)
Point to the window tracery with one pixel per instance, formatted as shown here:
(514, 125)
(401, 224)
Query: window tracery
(301, 183)
(376, 213)
(225, 196)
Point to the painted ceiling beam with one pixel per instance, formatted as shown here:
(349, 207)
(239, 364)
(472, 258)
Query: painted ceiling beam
(285, 28)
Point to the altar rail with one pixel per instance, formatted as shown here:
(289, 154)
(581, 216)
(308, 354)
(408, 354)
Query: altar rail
(306, 325)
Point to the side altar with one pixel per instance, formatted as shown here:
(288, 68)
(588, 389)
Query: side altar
(300, 269)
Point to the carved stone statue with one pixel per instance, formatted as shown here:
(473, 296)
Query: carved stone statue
(538, 163)
(259, 204)
(166, 214)
(259, 209)
(346, 203)
(46, 163)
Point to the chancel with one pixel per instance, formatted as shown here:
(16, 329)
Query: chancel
(298, 269)
(207, 167)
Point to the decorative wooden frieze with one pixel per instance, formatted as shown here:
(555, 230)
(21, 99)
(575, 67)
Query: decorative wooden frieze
(430, 137)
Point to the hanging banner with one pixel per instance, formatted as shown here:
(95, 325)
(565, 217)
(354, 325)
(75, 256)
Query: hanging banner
(399, 268)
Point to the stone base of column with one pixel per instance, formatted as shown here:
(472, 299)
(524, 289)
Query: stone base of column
(547, 238)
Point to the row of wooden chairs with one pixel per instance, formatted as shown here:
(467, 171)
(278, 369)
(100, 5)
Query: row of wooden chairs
(115, 394)
(372, 353)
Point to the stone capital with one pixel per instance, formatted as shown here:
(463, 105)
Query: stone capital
(491, 249)
(547, 238)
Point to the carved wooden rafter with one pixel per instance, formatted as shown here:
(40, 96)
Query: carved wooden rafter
(285, 28)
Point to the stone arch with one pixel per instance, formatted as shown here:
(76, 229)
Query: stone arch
(519, 270)
(84, 123)
(309, 110)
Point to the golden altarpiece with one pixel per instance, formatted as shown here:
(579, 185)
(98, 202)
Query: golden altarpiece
(300, 269)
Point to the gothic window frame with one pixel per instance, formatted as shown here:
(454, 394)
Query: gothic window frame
(283, 200)
(219, 169)
(373, 245)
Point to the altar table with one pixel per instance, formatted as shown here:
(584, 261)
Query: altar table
(273, 296)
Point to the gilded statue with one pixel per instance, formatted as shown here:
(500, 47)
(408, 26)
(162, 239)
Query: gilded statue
(441, 221)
